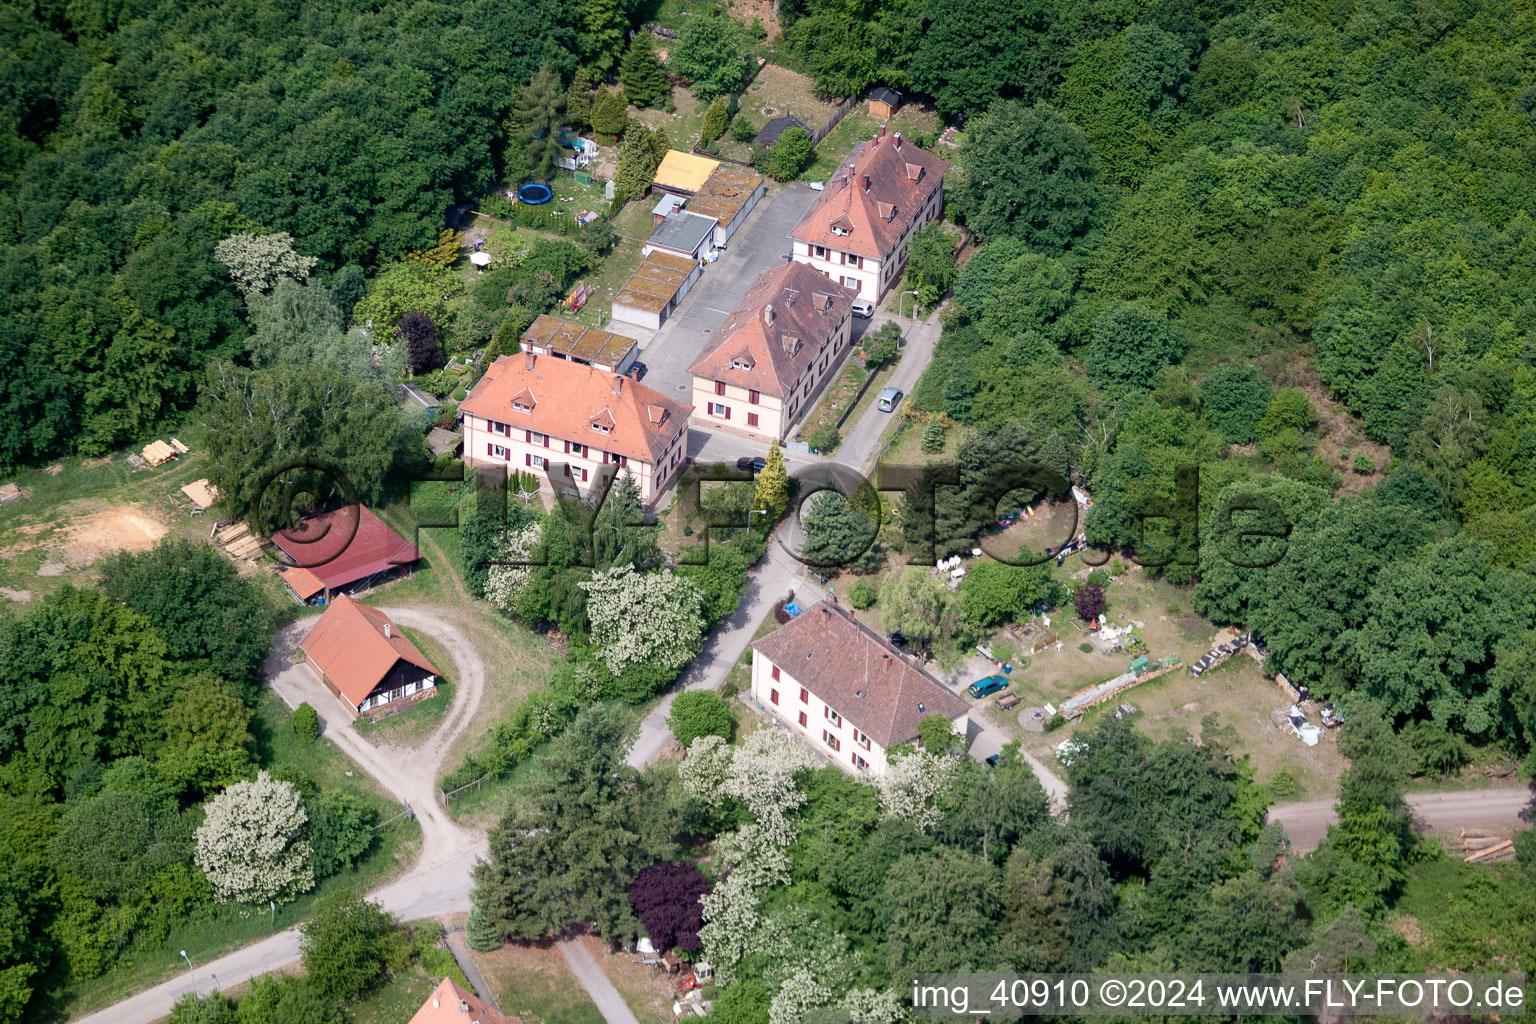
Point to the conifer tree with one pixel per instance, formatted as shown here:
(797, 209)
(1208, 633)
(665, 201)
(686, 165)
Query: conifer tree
(640, 71)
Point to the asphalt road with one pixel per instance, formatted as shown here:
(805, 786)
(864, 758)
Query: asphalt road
(759, 244)
(1502, 807)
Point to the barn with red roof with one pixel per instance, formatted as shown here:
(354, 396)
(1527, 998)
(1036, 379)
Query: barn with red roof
(346, 550)
(363, 658)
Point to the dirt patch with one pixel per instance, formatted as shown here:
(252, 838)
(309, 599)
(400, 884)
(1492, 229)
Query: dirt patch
(785, 92)
(15, 595)
(1408, 927)
(1338, 430)
(745, 11)
(52, 569)
(647, 990)
(122, 528)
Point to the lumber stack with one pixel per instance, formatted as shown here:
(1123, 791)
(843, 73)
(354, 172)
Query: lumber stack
(1479, 847)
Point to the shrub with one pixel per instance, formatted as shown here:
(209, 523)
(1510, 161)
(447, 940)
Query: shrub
(716, 118)
(824, 438)
(1085, 647)
(790, 153)
(1055, 722)
(349, 944)
(1363, 463)
(1283, 784)
(862, 593)
(700, 713)
(306, 723)
(742, 129)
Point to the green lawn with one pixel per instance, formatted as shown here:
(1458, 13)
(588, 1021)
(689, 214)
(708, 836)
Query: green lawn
(533, 981)
(214, 931)
(397, 1000)
(859, 125)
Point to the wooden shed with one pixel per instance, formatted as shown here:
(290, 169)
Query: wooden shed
(883, 101)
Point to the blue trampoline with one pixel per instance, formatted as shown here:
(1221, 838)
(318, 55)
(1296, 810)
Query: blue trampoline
(533, 194)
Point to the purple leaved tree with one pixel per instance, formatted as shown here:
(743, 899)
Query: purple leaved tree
(666, 899)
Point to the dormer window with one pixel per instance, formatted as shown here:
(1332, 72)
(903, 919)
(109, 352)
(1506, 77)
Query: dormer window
(602, 428)
(838, 229)
(740, 364)
(522, 407)
(523, 401)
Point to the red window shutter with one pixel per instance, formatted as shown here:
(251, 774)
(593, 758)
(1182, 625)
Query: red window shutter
(751, 419)
(528, 437)
(490, 449)
(775, 672)
(753, 396)
(802, 719)
(506, 454)
(805, 695)
(727, 411)
(773, 696)
(527, 459)
(567, 447)
(624, 461)
(719, 387)
(546, 440)
(583, 476)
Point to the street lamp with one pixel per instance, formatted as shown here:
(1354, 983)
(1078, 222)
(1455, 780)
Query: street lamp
(190, 975)
(901, 301)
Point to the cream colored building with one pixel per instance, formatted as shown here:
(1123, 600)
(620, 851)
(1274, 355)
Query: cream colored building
(532, 412)
(785, 340)
(858, 232)
(844, 690)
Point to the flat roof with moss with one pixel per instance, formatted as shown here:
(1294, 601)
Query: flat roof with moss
(655, 282)
(725, 193)
(577, 342)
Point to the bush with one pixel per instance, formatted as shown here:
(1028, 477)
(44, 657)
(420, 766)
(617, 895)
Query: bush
(700, 713)
(1283, 784)
(1055, 722)
(1363, 463)
(789, 155)
(861, 593)
(716, 118)
(306, 723)
(1085, 647)
(824, 438)
(349, 944)
(742, 129)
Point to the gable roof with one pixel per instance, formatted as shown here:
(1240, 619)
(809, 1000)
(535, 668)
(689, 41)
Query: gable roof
(785, 303)
(683, 172)
(450, 1003)
(853, 669)
(304, 583)
(872, 217)
(349, 645)
(570, 397)
(345, 545)
(778, 126)
(885, 94)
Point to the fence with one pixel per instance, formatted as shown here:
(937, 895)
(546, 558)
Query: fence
(831, 122)
(407, 813)
(447, 798)
(869, 380)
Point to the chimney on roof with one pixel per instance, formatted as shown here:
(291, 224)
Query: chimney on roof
(768, 314)
(386, 631)
(528, 360)
(618, 383)
(875, 141)
(897, 140)
(464, 1006)
(866, 183)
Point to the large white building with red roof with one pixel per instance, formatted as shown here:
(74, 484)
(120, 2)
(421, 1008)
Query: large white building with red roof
(845, 690)
(531, 413)
(783, 342)
(858, 231)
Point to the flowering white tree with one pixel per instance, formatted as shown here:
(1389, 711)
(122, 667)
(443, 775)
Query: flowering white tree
(912, 785)
(251, 844)
(703, 775)
(504, 583)
(257, 261)
(643, 617)
(868, 1006)
(761, 775)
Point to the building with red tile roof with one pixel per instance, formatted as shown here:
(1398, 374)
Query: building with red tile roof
(857, 232)
(451, 1003)
(786, 338)
(844, 689)
(533, 414)
(363, 658)
(346, 549)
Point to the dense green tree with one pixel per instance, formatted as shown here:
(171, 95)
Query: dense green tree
(913, 603)
(645, 84)
(1028, 175)
(1235, 396)
(341, 831)
(540, 113)
(716, 116)
(993, 593)
(943, 912)
(569, 852)
(973, 52)
(608, 114)
(790, 153)
(208, 741)
(700, 713)
(600, 36)
(349, 943)
(711, 52)
(838, 532)
(1130, 344)
(208, 613)
(213, 1008)
(931, 264)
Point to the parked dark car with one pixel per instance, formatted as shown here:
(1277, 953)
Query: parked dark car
(753, 462)
(638, 370)
(986, 686)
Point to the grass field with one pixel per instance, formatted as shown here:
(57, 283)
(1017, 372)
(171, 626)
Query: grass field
(910, 119)
(397, 1000)
(532, 981)
(835, 399)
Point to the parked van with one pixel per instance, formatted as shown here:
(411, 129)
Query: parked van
(890, 398)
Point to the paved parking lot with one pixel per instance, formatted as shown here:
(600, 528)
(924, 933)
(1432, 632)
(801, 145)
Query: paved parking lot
(760, 243)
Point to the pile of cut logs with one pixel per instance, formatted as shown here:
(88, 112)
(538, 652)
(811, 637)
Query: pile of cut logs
(1484, 848)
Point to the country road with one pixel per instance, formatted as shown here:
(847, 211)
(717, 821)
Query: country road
(1307, 823)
